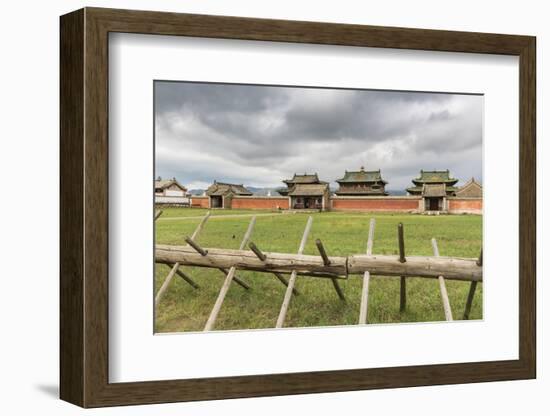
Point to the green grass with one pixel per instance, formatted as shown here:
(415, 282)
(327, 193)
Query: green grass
(186, 309)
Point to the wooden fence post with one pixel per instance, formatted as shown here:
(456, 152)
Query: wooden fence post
(326, 261)
(175, 268)
(442, 287)
(227, 282)
(292, 279)
(363, 309)
(263, 258)
(402, 259)
(472, 291)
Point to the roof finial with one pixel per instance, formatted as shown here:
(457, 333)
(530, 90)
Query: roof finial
(362, 168)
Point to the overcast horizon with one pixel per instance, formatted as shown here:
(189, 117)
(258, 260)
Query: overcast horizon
(260, 135)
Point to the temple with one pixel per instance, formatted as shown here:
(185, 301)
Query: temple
(362, 182)
(306, 192)
(434, 186)
(220, 194)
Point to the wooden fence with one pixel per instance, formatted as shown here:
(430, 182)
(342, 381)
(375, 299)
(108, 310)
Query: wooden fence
(335, 268)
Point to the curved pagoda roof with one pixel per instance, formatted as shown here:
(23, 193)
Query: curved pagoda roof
(165, 183)
(435, 176)
(223, 188)
(302, 179)
(303, 189)
(362, 175)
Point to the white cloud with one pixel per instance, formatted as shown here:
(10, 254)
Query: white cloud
(260, 135)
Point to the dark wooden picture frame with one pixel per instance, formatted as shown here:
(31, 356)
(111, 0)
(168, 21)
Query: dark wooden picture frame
(84, 207)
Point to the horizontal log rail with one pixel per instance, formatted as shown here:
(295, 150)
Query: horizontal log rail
(453, 268)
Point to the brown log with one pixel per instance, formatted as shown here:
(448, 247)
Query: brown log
(453, 268)
(247, 260)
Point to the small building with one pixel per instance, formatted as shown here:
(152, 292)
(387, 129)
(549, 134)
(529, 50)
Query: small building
(170, 192)
(306, 192)
(471, 189)
(220, 194)
(362, 183)
(310, 196)
(434, 186)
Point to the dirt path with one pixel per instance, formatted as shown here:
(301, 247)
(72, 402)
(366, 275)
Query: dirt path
(198, 217)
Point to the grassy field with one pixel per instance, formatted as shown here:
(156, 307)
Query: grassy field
(186, 309)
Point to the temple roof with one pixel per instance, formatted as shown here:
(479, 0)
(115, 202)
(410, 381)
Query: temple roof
(165, 183)
(355, 191)
(472, 188)
(417, 190)
(362, 175)
(434, 176)
(308, 189)
(305, 178)
(221, 188)
(436, 189)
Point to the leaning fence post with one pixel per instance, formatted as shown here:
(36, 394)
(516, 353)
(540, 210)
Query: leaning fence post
(402, 259)
(472, 291)
(227, 282)
(363, 309)
(204, 253)
(292, 279)
(442, 287)
(326, 262)
(175, 268)
(263, 258)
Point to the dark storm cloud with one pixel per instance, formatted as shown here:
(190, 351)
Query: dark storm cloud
(260, 135)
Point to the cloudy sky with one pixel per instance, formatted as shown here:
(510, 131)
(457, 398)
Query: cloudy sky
(260, 135)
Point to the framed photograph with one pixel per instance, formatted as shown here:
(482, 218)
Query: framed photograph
(255, 207)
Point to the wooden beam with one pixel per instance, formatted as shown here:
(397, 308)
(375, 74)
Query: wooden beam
(171, 275)
(402, 259)
(247, 260)
(363, 309)
(227, 282)
(292, 280)
(453, 268)
(326, 262)
(443, 288)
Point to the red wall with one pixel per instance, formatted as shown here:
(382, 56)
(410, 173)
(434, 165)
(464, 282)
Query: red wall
(199, 201)
(259, 202)
(466, 205)
(376, 204)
